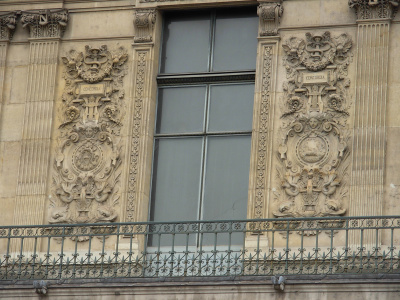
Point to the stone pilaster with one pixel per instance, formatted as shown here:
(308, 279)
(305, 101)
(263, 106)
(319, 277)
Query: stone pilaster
(145, 56)
(7, 26)
(46, 28)
(262, 134)
(369, 131)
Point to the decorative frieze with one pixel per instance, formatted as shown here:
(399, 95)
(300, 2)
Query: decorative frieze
(374, 9)
(313, 152)
(45, 23)
(144, 20)
(270, 14)
(8, 23)
(86, 177)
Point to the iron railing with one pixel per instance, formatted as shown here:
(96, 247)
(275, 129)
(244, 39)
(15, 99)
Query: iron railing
(340, 245)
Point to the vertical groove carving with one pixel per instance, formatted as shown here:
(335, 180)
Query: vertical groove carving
(369, 133)
(35, 152)
(3, 55)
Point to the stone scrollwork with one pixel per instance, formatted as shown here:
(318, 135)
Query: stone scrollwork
(7, 25)
(45, 23)
(374, 9)
(144, 20)
(270, 14)
(313, 151)
(88, 156)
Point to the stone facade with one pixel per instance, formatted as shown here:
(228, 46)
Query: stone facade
(78, 96)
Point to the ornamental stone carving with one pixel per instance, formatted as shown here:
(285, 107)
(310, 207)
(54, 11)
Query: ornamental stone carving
(313, 150)
(45, 23)
(144, 20)
(88, 158)
(8, 24)
(374, 9)
(270, 14)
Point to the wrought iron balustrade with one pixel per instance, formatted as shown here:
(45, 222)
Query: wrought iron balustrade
(340, 245)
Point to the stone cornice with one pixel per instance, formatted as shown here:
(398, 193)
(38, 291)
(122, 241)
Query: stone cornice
(8, 23)
(45, 23)
(374, 9)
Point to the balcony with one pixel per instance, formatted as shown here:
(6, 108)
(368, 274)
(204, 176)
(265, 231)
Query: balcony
(248, 248)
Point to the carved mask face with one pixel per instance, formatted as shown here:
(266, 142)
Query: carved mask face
(313, 123)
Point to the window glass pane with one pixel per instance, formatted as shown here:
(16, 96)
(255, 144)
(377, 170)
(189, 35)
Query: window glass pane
(226, 182)
(231, 107)
(226, 177)
(235, 40)
(181, 110)
(186, 43)
(176, 179)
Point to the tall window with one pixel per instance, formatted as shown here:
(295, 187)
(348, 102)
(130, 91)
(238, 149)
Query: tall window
(204, 115)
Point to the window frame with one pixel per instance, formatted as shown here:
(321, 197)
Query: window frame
(208, 79)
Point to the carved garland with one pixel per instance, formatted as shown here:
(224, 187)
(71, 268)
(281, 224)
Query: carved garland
(313, 151)
(88, 158)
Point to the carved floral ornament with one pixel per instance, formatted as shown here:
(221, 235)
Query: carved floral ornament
(313, 152)
(374, 9)
(88, 158)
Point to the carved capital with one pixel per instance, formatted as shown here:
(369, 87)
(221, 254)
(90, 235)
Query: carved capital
(144, 20)
(7, 25)
(270, 14)
(374, 9)
(45, 23)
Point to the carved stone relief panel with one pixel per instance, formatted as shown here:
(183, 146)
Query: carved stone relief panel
(87, 169)
(314, 136)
